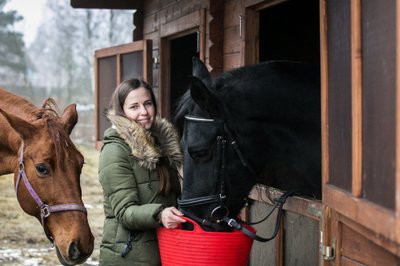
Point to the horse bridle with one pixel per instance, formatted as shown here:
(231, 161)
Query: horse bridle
(216, 216)
(45, 209)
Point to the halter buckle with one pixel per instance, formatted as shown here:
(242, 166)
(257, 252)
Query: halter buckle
(232, 223)
(45, 211)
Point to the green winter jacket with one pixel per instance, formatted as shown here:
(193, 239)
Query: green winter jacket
(128, 175)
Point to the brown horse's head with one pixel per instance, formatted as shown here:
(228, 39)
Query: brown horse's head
(53, 166)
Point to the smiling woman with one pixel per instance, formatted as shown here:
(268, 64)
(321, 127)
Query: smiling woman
(138, 170)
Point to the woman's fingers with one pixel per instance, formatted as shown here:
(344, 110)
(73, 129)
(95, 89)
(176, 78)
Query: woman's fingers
(171, 217)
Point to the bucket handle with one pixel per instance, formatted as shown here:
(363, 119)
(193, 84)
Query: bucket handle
(196, 226)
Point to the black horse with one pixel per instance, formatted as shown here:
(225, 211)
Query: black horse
(254, 124)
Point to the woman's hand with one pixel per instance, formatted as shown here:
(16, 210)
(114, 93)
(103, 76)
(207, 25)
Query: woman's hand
(171, 217)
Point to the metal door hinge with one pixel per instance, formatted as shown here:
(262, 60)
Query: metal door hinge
(328, 252)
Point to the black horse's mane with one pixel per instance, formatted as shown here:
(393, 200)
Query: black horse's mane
(185, 103)
(229, 81)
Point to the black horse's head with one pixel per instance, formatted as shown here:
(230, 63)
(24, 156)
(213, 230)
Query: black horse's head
(210, 153)
(258, 123)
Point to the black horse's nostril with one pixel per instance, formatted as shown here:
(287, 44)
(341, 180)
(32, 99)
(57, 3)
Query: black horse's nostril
(73, 251)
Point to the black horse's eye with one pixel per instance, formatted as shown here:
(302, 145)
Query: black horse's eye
(200, 155)
(41, 169)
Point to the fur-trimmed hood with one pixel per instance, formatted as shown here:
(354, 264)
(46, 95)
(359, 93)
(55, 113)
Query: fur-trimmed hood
(148, 146)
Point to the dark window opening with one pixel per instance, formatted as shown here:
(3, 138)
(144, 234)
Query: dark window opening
(290, 31)
(182, 51)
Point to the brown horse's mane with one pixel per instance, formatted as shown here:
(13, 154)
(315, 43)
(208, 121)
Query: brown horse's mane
(49, 108)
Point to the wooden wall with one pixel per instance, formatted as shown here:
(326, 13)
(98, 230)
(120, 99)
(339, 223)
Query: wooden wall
(224, 28)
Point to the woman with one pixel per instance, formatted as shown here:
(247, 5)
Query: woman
(138, 172)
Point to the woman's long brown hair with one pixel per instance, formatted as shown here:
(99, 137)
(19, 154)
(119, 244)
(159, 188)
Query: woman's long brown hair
(169, 178)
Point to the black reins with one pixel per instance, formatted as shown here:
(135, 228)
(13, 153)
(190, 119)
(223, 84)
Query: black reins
(219, 172)
(279, 202)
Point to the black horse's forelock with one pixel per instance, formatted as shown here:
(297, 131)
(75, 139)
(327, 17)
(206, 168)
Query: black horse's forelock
(184, 106)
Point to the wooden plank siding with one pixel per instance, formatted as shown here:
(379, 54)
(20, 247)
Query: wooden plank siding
(233, 43)
(158, 13)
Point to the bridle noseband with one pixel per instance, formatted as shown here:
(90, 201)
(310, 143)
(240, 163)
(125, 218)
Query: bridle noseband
(216, 216)
(45, 209)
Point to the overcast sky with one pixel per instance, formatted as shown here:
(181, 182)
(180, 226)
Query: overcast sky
(32, 11)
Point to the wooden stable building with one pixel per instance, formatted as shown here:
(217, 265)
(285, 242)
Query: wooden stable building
(355, 42)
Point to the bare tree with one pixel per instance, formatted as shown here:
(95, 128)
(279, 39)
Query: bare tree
(63, 51)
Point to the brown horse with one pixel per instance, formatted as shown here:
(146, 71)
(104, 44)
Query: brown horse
(36, 147)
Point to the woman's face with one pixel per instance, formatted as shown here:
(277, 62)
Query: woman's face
(139, 107)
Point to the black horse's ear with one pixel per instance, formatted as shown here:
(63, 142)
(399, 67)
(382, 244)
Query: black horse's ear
(205, 98)
(200, 71)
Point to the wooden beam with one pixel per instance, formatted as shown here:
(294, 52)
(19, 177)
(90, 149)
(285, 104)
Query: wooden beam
(356, 97)
(306, 207)
(107, 4)
(138, 22)
(324, 92)
(397, 180)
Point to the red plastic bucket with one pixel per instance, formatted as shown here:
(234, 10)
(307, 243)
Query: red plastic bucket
(196, 248)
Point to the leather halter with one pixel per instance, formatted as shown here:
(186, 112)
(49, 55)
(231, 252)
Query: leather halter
(45, 209)
(220, 198)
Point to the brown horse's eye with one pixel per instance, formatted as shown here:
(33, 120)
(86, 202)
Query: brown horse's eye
(41, 169)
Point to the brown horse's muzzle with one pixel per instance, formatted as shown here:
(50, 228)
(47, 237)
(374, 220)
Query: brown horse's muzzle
(74, 241)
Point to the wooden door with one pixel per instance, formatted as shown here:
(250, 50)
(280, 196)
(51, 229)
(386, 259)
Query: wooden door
(114, 65)
(360, 119)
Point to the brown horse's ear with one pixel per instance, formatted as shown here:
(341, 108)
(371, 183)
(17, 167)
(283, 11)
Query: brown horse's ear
(69, 118)
(22, 127)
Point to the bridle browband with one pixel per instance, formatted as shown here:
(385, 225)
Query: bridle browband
(45, 209)
(220, 198)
